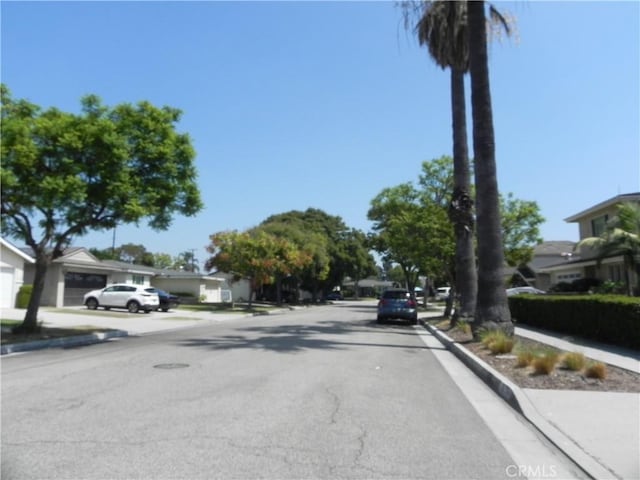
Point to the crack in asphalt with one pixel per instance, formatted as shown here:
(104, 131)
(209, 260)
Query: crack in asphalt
(336, 406)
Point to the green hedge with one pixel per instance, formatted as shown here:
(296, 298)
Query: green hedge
(611, 319)
(24, 294)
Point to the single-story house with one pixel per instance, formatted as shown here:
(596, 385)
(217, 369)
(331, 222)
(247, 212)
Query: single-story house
(78, 272)
(240, 289)
(12, 264)
(369, 287)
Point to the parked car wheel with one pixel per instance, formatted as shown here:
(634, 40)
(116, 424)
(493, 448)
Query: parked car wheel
(92, 303)
(133, 307)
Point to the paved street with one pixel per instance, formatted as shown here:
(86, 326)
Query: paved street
(319, 393)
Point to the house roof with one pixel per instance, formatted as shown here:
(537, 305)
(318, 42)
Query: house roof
(22, 254)
(551, 253)
(184, 274)
(626, 197)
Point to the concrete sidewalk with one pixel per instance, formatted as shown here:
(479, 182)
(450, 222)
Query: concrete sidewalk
(600, 431)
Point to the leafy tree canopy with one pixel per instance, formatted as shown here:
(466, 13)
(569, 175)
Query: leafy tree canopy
(412, 227)
(337, 238)
(256, 254)
(65, 174)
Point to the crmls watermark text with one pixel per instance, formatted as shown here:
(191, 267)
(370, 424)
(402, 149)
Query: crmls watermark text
(531, 471)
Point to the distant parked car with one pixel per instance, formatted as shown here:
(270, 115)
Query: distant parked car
(167, 300)
(334, 296)
(132, 297)
(397, 303)
(521, 290)
(442, 293)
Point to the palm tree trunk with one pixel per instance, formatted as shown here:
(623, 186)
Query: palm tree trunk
(461, 206)
(492, 309)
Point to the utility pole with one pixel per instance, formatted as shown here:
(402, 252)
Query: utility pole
(113, 243)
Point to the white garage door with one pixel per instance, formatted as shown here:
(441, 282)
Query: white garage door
(7, 288)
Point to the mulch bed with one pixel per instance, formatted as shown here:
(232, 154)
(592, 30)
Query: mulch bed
(616, 380)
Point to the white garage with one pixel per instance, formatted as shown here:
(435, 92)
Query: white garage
(12, 262)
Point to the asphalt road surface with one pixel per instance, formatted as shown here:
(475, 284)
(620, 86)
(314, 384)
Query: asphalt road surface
(320, 393)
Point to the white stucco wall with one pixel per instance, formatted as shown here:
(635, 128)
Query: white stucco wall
(11, 275)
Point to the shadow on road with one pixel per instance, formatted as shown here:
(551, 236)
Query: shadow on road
(294, 338)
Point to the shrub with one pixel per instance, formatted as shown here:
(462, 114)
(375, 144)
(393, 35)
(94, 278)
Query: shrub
(611, 319)
(609, 286)
(24, 295)
(596, 370)
(497, 341)
(464, 327)
(524, 357)
(574, 361)
(544, 363)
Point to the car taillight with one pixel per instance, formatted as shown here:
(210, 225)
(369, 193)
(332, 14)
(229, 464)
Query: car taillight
(411, 303)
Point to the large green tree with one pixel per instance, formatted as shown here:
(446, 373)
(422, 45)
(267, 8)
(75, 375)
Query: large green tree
(333, 229)
(312, 246)
(186, 261)
(492, 309)
(412, 227)
(358, 263)
(520, 220)
(255, 254)
(65, 174)
(411, 232)
(621, 237)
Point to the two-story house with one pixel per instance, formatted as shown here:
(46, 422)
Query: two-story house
(583, 262)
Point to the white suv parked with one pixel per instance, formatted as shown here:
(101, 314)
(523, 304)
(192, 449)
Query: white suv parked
(131, 297)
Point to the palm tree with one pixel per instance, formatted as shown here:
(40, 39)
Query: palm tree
(492, 309)
(620, 238)
(443, 29)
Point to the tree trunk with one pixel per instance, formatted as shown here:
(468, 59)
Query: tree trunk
(252, 289)
(278, 290)
(492, 308)
(30, 322)
(461, 206)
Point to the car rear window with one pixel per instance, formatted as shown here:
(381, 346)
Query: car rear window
(396, 294)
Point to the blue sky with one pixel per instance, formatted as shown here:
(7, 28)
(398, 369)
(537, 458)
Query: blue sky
(293, 105)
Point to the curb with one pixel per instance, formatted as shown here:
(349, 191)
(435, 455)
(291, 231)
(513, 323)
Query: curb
(92, 338)
(517, 400)
(75, 341)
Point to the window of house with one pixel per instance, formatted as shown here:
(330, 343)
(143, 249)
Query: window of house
(569, 277)
(598, 225)
(138, 279)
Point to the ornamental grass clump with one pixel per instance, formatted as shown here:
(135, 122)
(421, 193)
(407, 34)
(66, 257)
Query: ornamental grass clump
(545, 362)
(497, 341)
(574, 361)
(524, 357)
(464, 327)
(596, 370)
